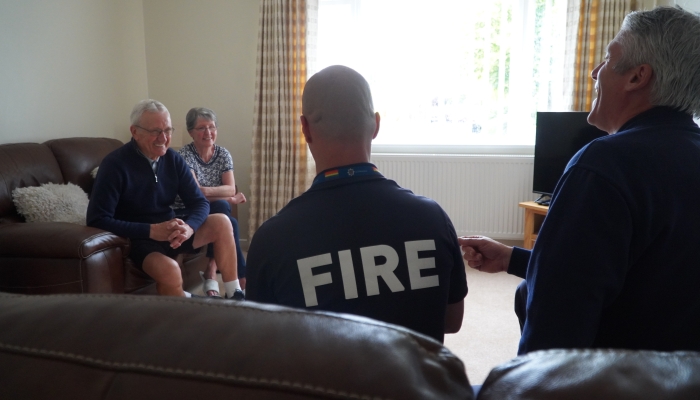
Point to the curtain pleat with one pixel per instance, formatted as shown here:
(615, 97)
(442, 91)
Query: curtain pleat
(280, 161)
(595, 23)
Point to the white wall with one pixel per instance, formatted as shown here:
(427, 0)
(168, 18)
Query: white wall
(202, 54)
(690, 5)
(70, 68)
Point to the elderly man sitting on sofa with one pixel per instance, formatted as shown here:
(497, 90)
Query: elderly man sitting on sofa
(133, 191)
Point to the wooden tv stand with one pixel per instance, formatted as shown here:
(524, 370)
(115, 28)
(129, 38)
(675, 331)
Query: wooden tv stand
(534, 216)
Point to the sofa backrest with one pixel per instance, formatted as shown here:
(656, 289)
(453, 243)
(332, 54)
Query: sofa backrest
(55, 161)
(78, 156)
(595, 374)
(24, 164)
(146, 347)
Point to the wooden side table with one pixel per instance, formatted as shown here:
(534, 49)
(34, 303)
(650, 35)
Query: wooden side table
(534, 216)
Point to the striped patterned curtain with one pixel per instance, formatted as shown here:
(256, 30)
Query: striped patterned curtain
(280, 161)
(591, 25)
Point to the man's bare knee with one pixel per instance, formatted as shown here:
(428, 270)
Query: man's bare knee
(163, 269)
(221, 223)
(216, 228)
(173, 279)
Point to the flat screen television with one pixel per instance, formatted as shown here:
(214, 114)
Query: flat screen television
(558, 136)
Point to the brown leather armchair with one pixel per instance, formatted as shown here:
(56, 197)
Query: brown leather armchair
(60, 257)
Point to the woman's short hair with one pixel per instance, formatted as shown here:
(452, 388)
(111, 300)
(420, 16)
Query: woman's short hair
(199, 112)
(148, 105)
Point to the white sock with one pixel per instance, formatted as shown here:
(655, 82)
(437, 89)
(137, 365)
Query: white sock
(231, 287)
(187, 294)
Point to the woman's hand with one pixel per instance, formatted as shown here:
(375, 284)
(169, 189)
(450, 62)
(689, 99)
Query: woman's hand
(239, 198)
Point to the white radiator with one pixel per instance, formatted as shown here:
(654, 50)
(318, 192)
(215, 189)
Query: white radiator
(480, 193)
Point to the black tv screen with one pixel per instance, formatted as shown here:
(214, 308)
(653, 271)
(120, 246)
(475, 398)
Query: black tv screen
(558, 136)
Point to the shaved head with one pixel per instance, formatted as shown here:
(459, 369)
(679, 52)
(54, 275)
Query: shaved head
(337, 104)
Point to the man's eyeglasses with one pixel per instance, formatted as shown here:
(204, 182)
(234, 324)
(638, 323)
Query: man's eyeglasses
(204, 128)
(158, 132)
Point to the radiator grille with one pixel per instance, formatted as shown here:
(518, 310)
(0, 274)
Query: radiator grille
(480, 193)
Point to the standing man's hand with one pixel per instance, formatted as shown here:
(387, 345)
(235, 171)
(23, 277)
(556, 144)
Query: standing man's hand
(485, 254)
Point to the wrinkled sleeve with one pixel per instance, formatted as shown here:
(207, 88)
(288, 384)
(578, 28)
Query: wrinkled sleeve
(578, 263)
(518, 262)
(258, 284)
(109, 184)
(195, 202)
(458, 276)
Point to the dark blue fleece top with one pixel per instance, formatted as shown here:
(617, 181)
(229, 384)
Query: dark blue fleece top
(617, 261)
(128, 196)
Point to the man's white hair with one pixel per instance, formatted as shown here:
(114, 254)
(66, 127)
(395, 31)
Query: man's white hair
(668, 39)
(148, 105)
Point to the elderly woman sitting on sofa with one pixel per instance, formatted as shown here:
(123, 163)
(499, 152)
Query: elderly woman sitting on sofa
(212, 167)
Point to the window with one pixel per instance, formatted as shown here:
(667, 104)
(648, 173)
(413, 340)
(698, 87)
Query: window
(450, 73)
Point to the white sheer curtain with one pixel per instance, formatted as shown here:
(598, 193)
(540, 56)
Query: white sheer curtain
(451, 72)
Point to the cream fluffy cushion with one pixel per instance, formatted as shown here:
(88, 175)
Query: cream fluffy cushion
(51, 202)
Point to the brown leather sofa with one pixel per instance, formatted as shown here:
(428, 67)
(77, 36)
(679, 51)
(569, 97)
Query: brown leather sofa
(152, 347)
(599, 374)
(149, 347)
(60, 257)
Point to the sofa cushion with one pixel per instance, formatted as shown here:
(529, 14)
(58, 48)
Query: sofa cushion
(24, 164)
(595, 374)
(146, 347)
(51, 202)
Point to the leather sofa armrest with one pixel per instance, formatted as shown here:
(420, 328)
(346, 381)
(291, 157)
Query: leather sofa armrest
(595, 374)
(59, 257)
(56, 240)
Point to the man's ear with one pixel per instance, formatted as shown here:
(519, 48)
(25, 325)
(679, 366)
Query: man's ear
(639, 77)
(305, 128)
(132, 129)
(376, 130)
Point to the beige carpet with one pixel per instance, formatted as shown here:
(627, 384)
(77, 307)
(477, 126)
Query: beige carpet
(490, 330)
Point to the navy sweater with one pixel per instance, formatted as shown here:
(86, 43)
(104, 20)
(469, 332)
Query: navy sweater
(617, 261)
(128, 196)
(323, 249)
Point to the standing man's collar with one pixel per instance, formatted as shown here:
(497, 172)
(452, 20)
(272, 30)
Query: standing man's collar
(659, 115)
